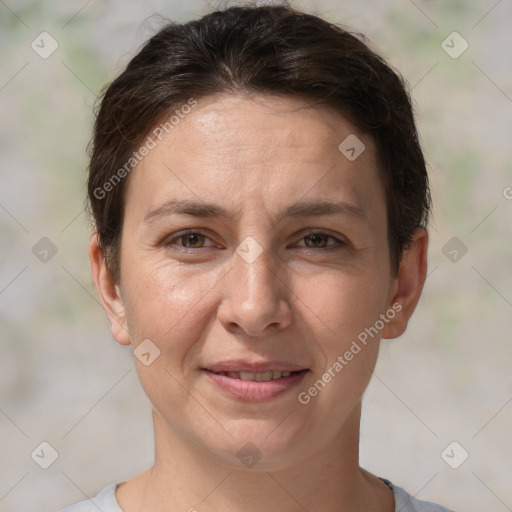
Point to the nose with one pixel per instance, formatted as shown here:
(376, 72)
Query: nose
(255, 301)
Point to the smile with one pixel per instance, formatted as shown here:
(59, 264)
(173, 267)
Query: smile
(251, 386)
(260, 377)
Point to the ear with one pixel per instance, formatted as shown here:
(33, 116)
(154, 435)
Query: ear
(109, 293)
(408, 284)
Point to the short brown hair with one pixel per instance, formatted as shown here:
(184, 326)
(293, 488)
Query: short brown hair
(260, 49)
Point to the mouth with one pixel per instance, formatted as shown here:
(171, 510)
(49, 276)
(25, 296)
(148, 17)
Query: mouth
(258, 377)
(255, 385)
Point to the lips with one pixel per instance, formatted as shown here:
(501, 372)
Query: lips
(254, 381)
(258, 376)
(239, 365)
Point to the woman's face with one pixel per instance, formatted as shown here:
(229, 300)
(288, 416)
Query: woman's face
(271, 254)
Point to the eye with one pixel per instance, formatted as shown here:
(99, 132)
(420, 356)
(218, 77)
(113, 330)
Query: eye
(188, 240)
(319, 240)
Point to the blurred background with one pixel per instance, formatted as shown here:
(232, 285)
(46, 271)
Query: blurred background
(438, 414)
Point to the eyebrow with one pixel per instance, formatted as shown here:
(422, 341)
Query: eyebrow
(299, 209)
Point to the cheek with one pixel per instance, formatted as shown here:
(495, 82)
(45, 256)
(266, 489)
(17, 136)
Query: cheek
(344, 305)
(344, 310)
(165, 305)
(173, 311)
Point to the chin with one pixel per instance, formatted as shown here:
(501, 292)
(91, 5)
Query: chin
(257, 445)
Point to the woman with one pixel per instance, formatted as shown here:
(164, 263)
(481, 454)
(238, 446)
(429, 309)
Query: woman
(260, 203)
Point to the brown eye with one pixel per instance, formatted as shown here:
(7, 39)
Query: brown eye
(188, 240)
(322, 241)
(317, 240)
(192, 240)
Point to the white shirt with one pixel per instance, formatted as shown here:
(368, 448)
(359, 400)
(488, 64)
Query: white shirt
(106, 501)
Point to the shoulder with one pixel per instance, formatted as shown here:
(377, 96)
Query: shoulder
(404, 502)
(104, 501)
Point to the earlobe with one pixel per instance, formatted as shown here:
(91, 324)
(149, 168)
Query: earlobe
(409, 284)
(109, 293)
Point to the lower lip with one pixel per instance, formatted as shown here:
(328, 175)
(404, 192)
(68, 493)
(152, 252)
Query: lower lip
(252, 390)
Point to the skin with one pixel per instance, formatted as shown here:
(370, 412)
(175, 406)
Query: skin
(254, 156)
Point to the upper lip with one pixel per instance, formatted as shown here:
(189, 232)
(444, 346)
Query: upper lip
(240, 365)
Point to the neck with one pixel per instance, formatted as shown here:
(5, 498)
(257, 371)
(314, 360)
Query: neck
(187, 477)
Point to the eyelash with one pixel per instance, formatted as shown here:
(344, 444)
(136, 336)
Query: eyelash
(169, 243)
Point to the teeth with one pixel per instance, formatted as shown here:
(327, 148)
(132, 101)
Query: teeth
(259, 377)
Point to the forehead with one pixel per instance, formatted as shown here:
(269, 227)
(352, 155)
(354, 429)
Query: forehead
(239, 149)
(256, 127)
